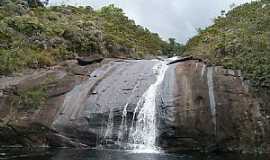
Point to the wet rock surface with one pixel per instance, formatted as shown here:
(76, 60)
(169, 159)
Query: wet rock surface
(17, 124)
(93, 110)
(198, 107)
(210, 109)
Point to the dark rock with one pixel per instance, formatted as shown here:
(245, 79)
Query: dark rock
(60, 87)
(56, 140)
(34, 135)
(233, 124)
(88, 61)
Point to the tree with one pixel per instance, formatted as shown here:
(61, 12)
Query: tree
(36, 3)
(111, 11)
(172, 42)
(173, 48)
(45, 2)
(223, 13)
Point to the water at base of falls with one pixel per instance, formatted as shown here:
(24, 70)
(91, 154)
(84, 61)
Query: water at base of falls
(77, 154)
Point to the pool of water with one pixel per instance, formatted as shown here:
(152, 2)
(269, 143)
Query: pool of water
(73, 154)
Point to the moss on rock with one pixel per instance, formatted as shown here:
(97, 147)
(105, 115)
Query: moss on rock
(30, 99)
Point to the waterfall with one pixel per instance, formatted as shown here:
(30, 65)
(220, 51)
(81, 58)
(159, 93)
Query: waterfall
(109, 128)
(143, 131)
(123, 127)
(210, 83)
(203, 70)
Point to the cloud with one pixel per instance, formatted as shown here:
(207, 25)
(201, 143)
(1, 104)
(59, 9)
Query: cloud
(169, 18)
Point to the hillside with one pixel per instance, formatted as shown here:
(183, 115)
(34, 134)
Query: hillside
(239, 39)
(33, 36)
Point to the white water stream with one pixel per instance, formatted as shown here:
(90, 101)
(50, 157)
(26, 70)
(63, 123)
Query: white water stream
(140, 136)
(143, 130)
(210, 83)
(143, 135)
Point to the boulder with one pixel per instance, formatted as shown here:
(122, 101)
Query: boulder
(83, 61)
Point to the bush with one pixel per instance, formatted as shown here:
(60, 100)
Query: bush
(241, 40)
(42, 36)
(30, 99)
(26, 24)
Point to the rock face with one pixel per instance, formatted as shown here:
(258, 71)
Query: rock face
(22, 124)
(210, 108)
(198, 107)
(93, 110)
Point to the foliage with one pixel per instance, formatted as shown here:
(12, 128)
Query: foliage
(30, 99)
(120, 29)
(33, 36)
(239, 40)
(174, 48)
(35, 3)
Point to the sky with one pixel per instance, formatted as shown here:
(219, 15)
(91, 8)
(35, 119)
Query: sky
(177, 19)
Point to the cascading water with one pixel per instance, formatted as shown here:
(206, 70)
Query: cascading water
(109, 129)
(142, 134)
(123, 127)
(210, 83)
(139, 133)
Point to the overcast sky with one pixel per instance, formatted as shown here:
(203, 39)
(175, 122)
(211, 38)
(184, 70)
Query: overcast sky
(169, 18)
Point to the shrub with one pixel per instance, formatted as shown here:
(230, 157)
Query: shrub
(42, 36)
(30, 99)
(26, 24)
(240, 40)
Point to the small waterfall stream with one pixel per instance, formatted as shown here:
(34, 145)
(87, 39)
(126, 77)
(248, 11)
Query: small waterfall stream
(210, 83)
(143, 134)
(109, 130)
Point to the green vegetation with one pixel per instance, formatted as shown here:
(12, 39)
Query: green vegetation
(119, 29)
(33, 36)
(29, 99)
(174, 48)
(239, 39)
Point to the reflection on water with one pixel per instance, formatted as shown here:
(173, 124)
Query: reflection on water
(73, 154)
